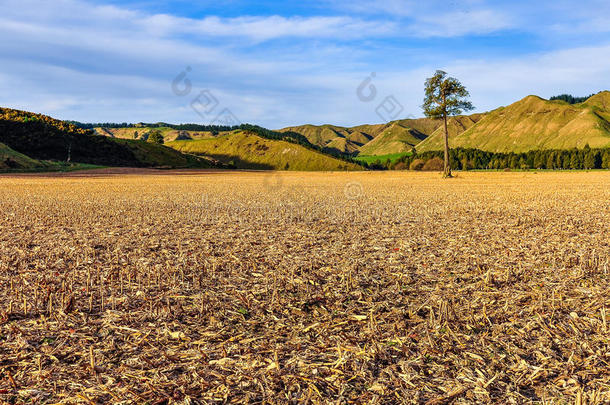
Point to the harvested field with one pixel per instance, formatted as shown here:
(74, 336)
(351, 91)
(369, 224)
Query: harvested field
(305, 288)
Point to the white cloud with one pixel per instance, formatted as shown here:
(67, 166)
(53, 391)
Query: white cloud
(400, 8)
(257, 28)
(579, 71)
(265, 28)
(437, 18)
(74, 60)
(460, 23)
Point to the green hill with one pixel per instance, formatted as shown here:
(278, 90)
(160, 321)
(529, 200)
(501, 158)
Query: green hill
(394, 139)
(423, 125)
(13, 160)
(342, 145)
(360, 140)
(30, 141)
(529, 124)
(42, 138)
(535, 123)
(455, 126)
(249, 151)
(169, 134)
(319, 135)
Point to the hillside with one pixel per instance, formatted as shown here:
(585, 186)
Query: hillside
(319, 135)
(141, 133)
(29, 141)
(248, 151)
(359, 137)
(42, 138)
(342, 145)
(394, 139)
(423, 125)
(535, 123)
(11, 160)
(455, 126)
(398, 136)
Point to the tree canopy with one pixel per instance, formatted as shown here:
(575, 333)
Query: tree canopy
(570, 99)
(155, 136)
(445, 96)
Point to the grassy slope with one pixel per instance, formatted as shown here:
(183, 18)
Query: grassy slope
(13, 161)
(155, 155)
(249, 151)
(535, 123)
(40, 138)
(10, 159)
(319, 135)
(455, 125)
(169, 134)
(359, 138)
(342, 145)
(329, 135)
(423, 125)
(394, 139)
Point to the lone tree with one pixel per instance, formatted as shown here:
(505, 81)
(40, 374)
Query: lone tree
(445, 97)
(156, 137)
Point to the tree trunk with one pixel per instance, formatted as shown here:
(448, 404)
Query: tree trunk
(447, 171)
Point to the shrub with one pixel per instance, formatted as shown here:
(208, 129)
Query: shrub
(417, 164)
(400, 166)
(156, 137)
(435, 164)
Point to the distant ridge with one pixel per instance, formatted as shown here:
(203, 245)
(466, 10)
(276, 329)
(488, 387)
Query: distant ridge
(528, 124)
(394, 137)
(29, 140)
(247, 150)
(535, 123)
(38, 138)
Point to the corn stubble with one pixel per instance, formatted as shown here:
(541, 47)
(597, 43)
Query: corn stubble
(276, 288)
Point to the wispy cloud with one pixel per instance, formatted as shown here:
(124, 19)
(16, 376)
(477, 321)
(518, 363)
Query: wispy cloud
(258, 28)
(265, 28)
(496, 83)
(436, 18)
(460, 23)
(81, 60)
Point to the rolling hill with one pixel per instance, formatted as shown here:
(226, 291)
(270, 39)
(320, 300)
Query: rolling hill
(29, 141)
(245, 150)
(455, 126)
(319, 135)
(396, 136)
(534, 123)
(13, 160)
(31, 138)
(423, 125)
(342, 145)
(529, 124)
(141, 133)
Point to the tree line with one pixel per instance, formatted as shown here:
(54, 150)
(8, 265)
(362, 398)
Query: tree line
(41, 137)
(289, 136)
(178, 127)
(475, 159)
(299, 139)
(570, 99)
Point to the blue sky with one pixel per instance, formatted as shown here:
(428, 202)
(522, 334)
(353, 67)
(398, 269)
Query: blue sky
(281, 63)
